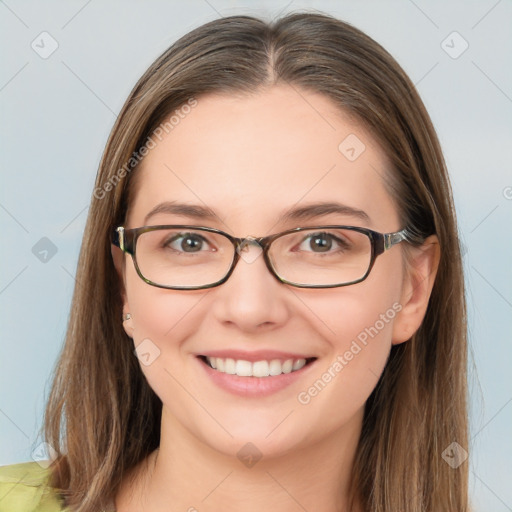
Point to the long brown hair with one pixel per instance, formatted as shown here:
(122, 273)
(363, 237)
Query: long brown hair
(102, 418)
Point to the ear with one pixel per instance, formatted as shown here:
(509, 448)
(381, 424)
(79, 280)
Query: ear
(118, 258)
(421, 269)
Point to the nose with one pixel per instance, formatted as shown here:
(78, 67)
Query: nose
(252, 298)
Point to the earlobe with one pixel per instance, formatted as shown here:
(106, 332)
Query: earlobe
(128, 326)
(421, 272)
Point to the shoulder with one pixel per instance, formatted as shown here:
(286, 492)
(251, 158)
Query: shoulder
(24, 488)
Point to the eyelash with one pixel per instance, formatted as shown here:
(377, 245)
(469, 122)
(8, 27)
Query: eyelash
(182, 236)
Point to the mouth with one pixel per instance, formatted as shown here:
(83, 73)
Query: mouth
(263, 368)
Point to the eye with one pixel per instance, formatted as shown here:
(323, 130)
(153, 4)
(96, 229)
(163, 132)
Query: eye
(323, 242)
(187, 243)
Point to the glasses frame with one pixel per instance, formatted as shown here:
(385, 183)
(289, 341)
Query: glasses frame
(126, 240)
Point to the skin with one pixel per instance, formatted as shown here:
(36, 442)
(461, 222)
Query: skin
(248, 159)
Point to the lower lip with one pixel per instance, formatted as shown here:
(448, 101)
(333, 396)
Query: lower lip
(254, 386)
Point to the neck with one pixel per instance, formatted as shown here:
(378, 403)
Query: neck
(185, 474)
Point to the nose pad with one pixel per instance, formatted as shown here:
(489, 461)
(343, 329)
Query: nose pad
(244, 251)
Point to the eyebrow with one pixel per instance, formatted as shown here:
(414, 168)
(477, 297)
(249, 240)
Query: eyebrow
(301, 213)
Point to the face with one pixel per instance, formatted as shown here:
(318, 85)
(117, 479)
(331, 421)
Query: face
(249, 160)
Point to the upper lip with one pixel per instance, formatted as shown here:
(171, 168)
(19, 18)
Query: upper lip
(257, 355)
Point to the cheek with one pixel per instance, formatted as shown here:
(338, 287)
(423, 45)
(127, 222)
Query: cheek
(156, 311)
(360, 322)
(357, 326)
(162, 319)
(361, 347)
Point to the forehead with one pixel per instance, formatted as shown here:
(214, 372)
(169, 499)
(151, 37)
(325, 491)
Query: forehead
(249, 158)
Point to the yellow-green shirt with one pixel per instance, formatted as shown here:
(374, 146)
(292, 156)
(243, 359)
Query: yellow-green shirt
(24, 488)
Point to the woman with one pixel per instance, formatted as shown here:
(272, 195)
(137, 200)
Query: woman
(269, 310)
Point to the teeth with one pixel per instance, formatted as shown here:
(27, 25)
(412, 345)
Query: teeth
(260, 369)
(230, 366)
(287, 366)
(244, 368)
(298, 364)
(275, 367)
(256, 369)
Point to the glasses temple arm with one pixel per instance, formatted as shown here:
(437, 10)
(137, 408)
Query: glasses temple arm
(391, 239)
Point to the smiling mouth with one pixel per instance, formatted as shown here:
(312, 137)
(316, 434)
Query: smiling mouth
(263, 368)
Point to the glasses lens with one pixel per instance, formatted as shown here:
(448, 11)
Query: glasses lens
(183, 257)
(321, 256)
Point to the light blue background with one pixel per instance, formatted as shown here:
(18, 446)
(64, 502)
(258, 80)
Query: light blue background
(57, 113)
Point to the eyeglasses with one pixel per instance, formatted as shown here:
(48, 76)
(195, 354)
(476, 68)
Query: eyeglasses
(182, 257)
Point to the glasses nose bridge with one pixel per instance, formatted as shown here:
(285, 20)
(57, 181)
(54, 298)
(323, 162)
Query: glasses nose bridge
(263, 241)
(241, 244)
